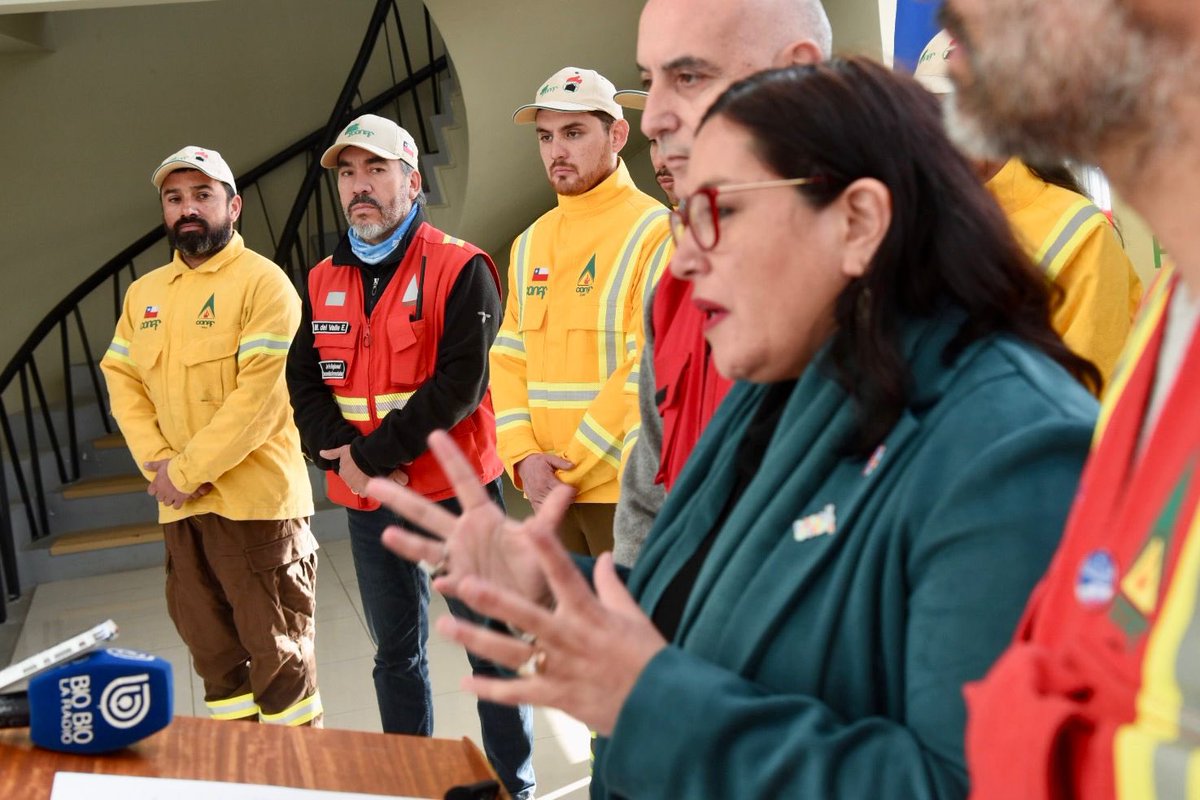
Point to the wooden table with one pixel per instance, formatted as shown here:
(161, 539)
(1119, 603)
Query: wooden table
(305, 758)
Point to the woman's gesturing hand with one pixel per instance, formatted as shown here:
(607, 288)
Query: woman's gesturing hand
(481, 541)
(583, 656)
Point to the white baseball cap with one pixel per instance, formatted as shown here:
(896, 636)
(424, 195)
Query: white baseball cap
(932, 71)
(377, 135)
(631, 98)
(572, 89)
(199, 158)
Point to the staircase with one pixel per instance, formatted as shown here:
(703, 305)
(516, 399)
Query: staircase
(72, 502)
(104, 521)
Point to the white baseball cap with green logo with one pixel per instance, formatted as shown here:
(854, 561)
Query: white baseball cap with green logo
(933, 69)
(377, 135)
(199, 158)
(572, 89)
(631, 98)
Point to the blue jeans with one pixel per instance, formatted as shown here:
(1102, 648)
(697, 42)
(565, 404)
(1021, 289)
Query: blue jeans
(395, 596)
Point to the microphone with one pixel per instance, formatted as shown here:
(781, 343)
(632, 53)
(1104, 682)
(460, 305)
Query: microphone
(104, 701)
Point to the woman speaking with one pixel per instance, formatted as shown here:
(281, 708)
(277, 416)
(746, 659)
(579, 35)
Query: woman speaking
(857, 531)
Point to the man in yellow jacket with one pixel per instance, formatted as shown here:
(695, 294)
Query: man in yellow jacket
(1068, 237)
(564, 366)
(195, 375)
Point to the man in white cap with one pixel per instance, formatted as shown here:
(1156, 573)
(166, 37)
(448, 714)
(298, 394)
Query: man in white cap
(195, 375)
(564, 367)
(393, 345)
(1069, 238)
(689, 53)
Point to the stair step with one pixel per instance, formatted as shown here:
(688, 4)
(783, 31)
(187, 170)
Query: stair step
(103, 538)
(103, 487)
(110, 441)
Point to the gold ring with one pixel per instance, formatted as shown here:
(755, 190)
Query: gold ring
(534, 665)
(436, 570)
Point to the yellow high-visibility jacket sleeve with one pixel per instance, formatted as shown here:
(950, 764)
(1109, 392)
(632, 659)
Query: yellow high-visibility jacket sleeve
(258, 405)
(602, 440)
(633, 421)
(1102, 292)
(510, 387)
(131, 405)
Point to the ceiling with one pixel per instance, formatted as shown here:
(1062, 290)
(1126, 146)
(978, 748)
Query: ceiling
(39, 6)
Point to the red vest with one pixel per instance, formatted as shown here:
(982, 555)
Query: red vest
(1096, 697)
(688, 387)
(374, 365)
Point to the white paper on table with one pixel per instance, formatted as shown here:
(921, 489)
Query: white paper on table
(88, 786)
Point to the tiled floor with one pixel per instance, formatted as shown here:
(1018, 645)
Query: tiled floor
(135, 601)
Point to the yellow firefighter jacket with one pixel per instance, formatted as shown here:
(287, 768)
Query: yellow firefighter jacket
(1077, 248)
(195, 374)
(564, 366)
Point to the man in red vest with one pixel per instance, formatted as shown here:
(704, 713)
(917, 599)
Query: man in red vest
(393, 345)
(1098, 696)
(689, 53)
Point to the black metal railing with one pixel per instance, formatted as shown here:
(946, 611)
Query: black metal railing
(402, 91)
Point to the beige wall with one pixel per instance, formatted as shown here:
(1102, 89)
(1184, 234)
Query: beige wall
(86, 123)
(856, 27)
(502, 53)
(123, 88)
(1144, 249)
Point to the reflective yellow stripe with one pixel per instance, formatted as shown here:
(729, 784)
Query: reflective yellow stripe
(618, 286)
(562, 395)
(270, 344)
(353, 408)
(1076, 223)
(118, 350)
(606, 447)
(1151, 760)
(302, 712)
(512, 418)
(387, 403)
(658, 265)
(631, 437)
(521, 265)
(448, 239)
(238, 707)
(1153, 307)
(509, 344)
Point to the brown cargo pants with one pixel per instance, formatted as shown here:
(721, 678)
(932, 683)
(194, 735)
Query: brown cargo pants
(242, 595)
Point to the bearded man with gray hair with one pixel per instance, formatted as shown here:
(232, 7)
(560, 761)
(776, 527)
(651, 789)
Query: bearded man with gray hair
(1097, 696)
(393, 345)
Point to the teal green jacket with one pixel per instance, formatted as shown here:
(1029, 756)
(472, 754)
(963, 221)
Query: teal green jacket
(846, 601)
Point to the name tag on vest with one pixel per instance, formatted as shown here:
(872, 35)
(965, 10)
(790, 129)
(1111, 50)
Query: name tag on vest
(333, 370)
(319, 326)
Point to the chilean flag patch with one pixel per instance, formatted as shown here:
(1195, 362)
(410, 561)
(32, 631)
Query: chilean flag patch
(541, 273)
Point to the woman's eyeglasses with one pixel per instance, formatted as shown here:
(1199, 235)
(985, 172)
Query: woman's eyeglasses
(698, 212)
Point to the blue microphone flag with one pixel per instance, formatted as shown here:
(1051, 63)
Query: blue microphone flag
(104, 701)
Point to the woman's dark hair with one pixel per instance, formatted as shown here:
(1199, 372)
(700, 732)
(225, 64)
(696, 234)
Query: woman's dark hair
(948, 244)
(1058, 174)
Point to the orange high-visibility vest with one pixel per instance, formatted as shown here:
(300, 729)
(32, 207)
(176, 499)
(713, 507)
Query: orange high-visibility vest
(373, 365)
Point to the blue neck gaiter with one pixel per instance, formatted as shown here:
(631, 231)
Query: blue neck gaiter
(374, 253)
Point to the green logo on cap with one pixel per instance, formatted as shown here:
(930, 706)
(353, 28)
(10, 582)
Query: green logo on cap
(546, 89)
(357, 130)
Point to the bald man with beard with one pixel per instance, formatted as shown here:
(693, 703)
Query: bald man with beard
(1098, 696)
(689, 52)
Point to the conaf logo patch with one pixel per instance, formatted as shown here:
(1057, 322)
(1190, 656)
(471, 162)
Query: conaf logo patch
(355, 129)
